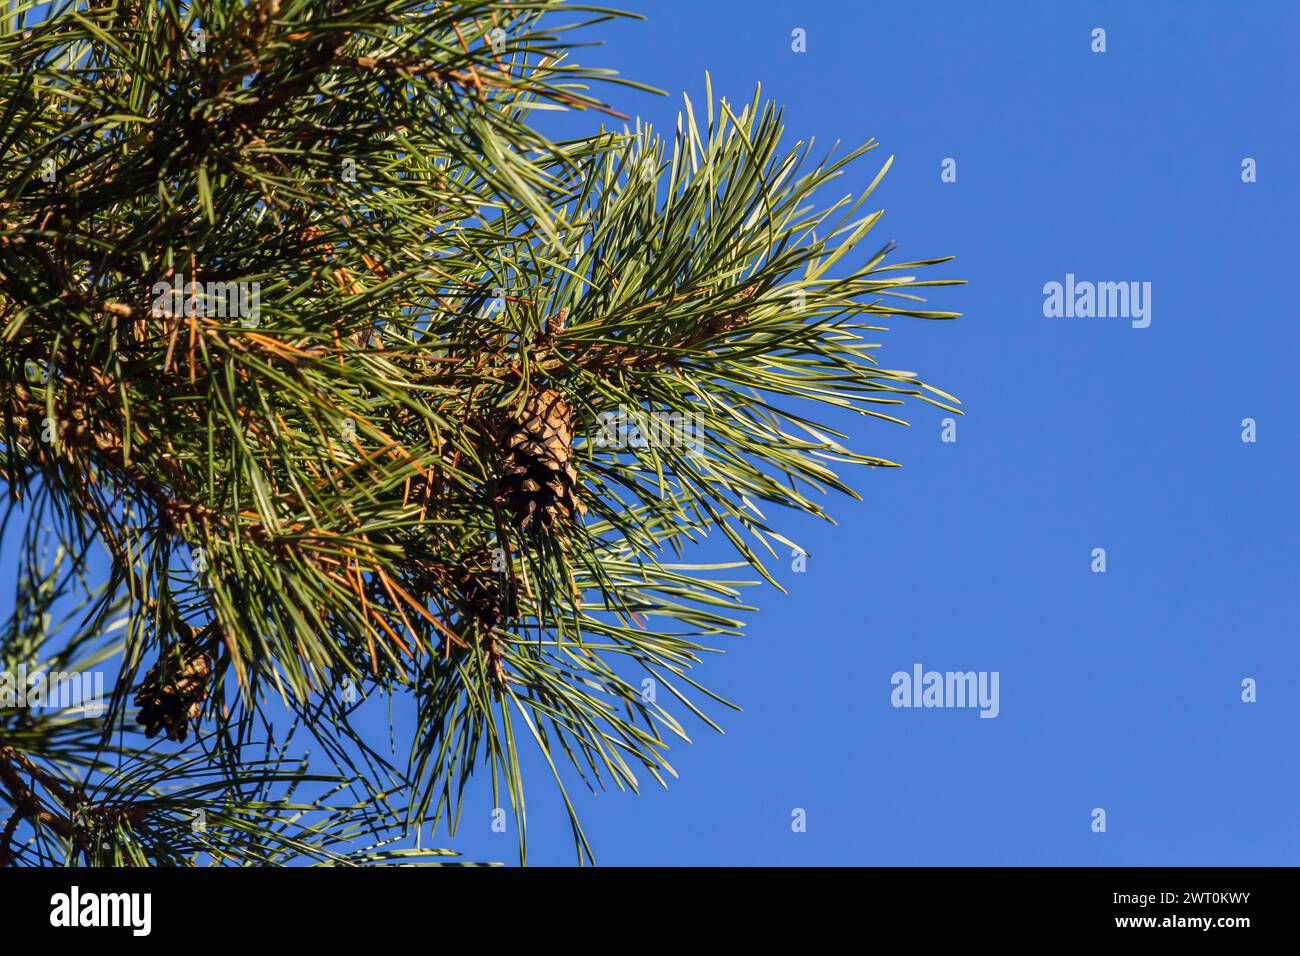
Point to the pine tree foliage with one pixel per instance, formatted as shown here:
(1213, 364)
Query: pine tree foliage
(311, 333)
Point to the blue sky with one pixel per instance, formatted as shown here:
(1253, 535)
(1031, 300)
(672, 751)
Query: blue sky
(1119, 690)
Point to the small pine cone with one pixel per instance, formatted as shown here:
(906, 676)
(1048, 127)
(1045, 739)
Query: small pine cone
(538, 480)
(173, 692)
(487, 599)
(554, 326)
(729, 321)
(481, 592)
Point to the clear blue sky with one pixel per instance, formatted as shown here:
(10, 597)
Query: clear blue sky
(1119, 690)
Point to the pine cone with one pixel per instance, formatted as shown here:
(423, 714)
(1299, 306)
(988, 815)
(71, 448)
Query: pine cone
(729, 321)
(538, 480)
(485, 594)
(173, 692)
(488, 598)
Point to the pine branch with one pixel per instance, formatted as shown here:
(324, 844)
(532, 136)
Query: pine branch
(395, 474)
